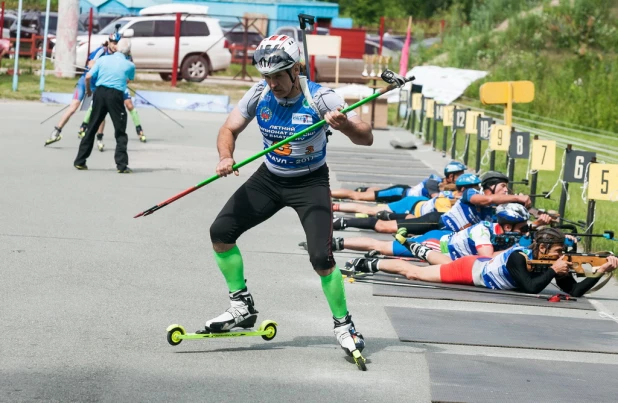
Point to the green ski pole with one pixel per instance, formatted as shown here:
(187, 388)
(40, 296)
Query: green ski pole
(394, 80)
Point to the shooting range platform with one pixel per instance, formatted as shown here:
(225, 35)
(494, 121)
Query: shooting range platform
(91, 290)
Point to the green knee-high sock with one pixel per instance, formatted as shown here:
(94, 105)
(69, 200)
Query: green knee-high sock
(332, 285)
(230, 264)
(135, 117)
(87, 115)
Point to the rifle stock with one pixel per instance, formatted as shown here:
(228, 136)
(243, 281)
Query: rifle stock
(583, 264)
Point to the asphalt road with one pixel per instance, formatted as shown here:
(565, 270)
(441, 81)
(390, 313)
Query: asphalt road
(87, 292)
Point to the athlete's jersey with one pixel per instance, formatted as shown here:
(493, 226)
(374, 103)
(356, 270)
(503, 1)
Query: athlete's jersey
(464, 214)
(494, 272)
(96, 54)
(466, 242)
(426, 188)
(279, 119)
(440, 203)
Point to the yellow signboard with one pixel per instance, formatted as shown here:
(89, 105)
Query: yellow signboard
(447, 116)
(471, 122)
(417, 102)
(603, 182)
(543, 155)
(500, 137)
(429, 105)
(498, 92)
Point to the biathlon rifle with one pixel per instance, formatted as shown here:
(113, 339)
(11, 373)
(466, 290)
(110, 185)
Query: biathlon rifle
(583, 264)
(554, 214)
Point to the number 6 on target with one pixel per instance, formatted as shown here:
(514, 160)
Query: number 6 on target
(543, 155)
(500, 137)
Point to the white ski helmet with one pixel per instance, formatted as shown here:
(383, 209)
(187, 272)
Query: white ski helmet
(276, 53)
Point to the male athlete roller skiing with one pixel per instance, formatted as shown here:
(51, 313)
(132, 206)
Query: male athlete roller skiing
(295, 175)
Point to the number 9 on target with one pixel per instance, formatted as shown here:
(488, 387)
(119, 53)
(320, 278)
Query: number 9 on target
(500, 137)
(603, 182)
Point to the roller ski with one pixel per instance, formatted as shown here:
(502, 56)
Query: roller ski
(100, 144)
(351, 341)
(140, 133)
(360, 267)
(176, 333)
(55, 136)
(234, 322)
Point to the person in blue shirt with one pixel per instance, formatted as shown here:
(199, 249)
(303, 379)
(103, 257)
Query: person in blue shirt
(128, 103)
(110, 76)
(79, 94)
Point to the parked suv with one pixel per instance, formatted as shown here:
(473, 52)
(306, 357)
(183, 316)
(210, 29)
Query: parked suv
(235, 36)
(9, 18)
(201, 49)
(99, 21)
(33, 23)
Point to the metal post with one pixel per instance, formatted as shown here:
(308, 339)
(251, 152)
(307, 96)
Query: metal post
(533, 180)
(511, 173)
(381, 34)
(466, 149)
(176, 49)
(589, 224)
(427, 130)
(492, 161)
(422, 118)
(1, 19)
(44, 57)
(454, 145)
(444, 140)
(245, 41)
(479, 150)
(17, 40)
(413, 122)
(434, 142)
(89, 29)
(565, 190)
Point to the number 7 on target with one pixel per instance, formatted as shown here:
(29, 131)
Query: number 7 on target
(543, 155)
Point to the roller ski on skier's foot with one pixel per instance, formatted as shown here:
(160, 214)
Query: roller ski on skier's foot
(100, 144)
(236, 321)
(351, 341)
(140, 133)
(55, 136)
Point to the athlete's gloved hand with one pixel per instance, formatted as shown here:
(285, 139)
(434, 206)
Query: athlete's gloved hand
(224, 168)
(337, 120)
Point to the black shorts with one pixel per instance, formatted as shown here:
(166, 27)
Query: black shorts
(392, 194)
(423, 224)
(265, 193)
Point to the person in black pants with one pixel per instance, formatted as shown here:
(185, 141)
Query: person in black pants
(294, 175)
(110, 74)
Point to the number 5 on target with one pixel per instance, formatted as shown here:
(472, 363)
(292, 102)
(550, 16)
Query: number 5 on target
(603, 182)
(543, 155)
(500, 137)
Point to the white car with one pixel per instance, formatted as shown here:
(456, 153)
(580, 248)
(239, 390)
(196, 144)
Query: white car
(201, 49)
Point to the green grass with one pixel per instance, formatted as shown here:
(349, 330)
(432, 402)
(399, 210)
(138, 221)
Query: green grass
(28, 87)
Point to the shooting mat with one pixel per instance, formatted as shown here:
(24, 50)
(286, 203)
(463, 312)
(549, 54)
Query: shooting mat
(504, 330)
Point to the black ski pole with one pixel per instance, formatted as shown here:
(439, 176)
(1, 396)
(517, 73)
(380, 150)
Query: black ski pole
(155, 106)
(55, 114)
(305, 19)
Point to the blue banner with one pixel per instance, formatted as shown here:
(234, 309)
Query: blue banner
(162, 100)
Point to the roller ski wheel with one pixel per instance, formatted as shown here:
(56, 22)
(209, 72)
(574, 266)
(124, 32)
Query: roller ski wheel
(360, 361)
(142, 138)
(176, 333)
(100, 146)
(82, 131)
